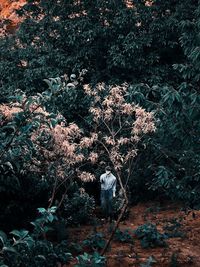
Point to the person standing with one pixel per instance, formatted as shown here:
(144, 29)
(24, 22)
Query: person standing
(108, 191)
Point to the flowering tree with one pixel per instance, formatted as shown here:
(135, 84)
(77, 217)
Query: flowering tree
(118, 127)
(36, 141)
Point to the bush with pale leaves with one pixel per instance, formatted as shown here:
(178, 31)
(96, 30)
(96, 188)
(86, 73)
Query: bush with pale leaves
(120, 125)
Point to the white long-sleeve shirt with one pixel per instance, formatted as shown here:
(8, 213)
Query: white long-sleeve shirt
(108, 181)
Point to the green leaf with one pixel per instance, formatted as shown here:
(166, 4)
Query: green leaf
(50, 217)
(27, 128)
(52, 209)
(21, 234)
(9, 129)
(54, 122)
(48, 82)
(10, 249)
(3, 237)
(42, 210)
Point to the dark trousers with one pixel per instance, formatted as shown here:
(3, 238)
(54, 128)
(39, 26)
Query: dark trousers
(106, 202)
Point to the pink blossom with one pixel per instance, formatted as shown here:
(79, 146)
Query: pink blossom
(86, 142)
(93, 157)
(109, 140)
(87, 89)
(86, 177)
(127, 109)
(96, 112)
(108, 114)
(123, 141)
(79, 158)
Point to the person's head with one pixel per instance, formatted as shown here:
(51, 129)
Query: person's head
(108, 170)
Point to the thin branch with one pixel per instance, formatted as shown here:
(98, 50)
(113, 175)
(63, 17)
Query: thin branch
(122, 125)
(125, 205)
(111, 133)
(100, 142)
(53, 193)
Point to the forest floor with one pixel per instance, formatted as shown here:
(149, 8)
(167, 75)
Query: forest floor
(183, 250)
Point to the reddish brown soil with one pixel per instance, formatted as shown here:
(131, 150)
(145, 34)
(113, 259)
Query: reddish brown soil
(186, 249)
(7, 11)
(7, 8)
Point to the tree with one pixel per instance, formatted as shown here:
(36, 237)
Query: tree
(168, 162)
(38, 145)
(115, 41)
(118, 127)
(189, 41)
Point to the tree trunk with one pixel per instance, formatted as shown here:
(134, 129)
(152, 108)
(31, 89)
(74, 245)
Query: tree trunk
(115, 228)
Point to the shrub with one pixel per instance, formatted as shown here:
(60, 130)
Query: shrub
(94, 260)
(29, 250)
(172, 228)
(35, 253)
(95, 241)
(149, 236)
(78, 209)
(123, 236)
(39, 145)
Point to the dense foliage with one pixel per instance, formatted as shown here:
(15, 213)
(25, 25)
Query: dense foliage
(30, 249)
(153, 45)
(116, 41)
(149, 236)
(78, 209)
(137, 67)
(169, 163)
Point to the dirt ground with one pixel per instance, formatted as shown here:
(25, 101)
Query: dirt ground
(180, 251)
